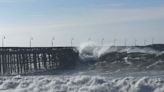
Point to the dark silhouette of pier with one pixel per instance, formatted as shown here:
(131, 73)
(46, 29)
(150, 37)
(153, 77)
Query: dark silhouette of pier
(23, 60)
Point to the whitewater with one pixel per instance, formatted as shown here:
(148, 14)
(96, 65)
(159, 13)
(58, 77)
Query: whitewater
(137, 70)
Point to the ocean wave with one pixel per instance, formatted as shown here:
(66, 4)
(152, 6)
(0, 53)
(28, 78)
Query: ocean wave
(141, 57)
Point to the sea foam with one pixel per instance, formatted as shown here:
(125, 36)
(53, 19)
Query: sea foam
(80, 83)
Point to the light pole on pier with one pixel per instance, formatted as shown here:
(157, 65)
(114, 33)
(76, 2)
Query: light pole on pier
(52, 41)
(145, 42)
(135, 42)
(31, 41)
(102, 41)
(152, 40)
(114, 41)
(72, 41)
(3, 38)
(125, 42)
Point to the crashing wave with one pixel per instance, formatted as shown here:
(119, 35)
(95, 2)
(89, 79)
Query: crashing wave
(142, 57)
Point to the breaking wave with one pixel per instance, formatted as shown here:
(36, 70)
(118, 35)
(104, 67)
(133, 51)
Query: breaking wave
(90, 50)
(116, 57)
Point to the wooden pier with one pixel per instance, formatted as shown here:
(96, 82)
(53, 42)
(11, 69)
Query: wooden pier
(22, 60)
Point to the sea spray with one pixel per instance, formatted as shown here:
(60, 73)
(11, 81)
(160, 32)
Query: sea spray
(91, 51)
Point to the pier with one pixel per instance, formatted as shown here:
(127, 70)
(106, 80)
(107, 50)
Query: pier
(23, 60)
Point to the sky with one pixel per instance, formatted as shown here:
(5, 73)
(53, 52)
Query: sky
(80, 20)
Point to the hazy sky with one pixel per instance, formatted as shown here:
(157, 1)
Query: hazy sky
(81, 19)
